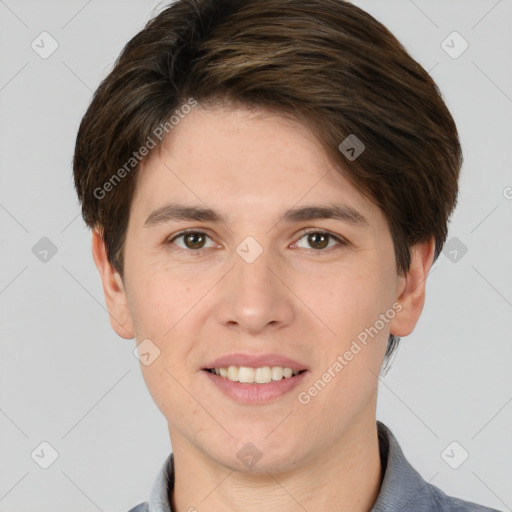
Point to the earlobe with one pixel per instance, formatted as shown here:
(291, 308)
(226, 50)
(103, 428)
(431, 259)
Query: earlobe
(113, 289)
(411, 289)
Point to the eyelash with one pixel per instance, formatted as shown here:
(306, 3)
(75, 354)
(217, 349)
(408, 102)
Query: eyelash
(342, 242)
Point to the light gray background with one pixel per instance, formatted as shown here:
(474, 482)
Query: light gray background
(66, 378)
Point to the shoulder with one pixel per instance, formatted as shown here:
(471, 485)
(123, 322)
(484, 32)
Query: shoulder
(159, 496)
(142, 507)
(403, 489)
(447, 503)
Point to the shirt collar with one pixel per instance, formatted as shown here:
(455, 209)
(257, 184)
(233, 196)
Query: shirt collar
(159, 497)
(401, 483)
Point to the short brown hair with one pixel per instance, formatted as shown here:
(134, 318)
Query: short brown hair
(326, 63)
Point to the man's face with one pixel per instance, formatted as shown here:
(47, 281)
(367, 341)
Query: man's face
(257, 285)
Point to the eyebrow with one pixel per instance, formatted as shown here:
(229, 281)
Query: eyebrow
(177, 212)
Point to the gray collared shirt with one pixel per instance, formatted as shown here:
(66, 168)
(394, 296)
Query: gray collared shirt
(402, 489)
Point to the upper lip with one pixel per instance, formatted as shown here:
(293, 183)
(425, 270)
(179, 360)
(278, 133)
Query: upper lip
(255, 361)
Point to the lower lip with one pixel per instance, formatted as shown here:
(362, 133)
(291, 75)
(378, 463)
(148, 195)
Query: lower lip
(255, 393)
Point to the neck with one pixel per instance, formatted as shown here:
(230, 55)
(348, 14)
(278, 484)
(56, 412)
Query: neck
(345, 476)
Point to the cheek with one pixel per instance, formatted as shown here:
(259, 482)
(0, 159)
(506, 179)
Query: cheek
(162, 306)
(350, 300)
(158, 298)
(357, 307)
(346, 378)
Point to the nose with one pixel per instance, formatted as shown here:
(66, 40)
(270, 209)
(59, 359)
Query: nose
(254, 297)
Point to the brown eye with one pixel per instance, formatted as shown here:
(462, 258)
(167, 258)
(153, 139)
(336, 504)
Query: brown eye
(194, 240)
(319, 240)
(191, 240)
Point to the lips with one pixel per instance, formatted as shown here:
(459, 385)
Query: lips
(255, 361)
(262, 390)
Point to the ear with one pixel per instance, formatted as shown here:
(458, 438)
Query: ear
(411, 289)
(113, 288)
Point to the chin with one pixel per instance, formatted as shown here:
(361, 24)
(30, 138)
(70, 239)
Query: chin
(257, 455)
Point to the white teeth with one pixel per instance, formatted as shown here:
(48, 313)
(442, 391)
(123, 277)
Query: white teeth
(233, 373)
(277, 372)
(245, 374)
(262, 375)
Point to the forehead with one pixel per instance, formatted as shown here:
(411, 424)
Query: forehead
(252, 161)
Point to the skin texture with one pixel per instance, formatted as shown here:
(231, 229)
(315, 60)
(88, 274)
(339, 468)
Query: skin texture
(295, 299)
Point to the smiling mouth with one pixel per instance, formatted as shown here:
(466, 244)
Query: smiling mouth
(248, 375)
